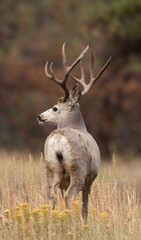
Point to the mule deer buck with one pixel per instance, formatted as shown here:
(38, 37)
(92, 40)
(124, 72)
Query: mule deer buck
(72, 157)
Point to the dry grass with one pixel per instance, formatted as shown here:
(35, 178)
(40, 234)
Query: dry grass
(114, 210)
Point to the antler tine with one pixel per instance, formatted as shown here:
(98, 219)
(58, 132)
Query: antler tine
(82, 72)
(46, 71)
(82, 79)
(67, 70)
(53, 76)
(64, 56)
(92, 65)
(50, 76)
(93, 79)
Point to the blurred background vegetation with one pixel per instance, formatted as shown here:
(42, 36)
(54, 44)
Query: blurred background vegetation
(33, 31)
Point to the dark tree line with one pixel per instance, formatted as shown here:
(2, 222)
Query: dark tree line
(32, 32)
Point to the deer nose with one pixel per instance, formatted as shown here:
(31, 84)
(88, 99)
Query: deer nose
(39, 118)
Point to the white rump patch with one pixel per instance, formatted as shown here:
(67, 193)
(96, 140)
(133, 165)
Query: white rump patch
(58, 143)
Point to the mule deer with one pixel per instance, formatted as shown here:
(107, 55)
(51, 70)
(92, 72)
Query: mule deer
(72, 157)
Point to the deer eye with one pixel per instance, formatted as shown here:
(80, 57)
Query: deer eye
(55, 109)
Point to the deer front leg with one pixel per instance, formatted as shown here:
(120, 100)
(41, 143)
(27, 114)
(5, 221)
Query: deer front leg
(76, 184)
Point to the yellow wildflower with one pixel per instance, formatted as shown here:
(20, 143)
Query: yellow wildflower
(19, 207)
(77, 205)
(25, 205)
(26, 212)
(18, 217)
(18, 210)
(94, 210)
(55, 214)
(35, 212)
(67, 212)
(104, 217)
(45, 212)
(56, 208)
(62, 205)
(94, 213)
(61, 216)
(86, 227)
(45, 207)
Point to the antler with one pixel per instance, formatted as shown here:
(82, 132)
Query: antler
(93, 79)
(67, 70)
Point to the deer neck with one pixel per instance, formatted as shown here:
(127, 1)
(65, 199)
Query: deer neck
(72, 119)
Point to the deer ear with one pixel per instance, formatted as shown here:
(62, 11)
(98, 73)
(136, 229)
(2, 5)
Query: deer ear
(74, 95)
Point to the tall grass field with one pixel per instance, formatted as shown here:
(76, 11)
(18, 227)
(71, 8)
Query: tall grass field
(114, 207)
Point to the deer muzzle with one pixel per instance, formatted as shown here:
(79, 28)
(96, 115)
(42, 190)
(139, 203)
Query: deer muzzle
(40, 119)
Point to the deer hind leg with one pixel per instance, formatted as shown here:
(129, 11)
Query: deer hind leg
(76, 184)
(53, 183)
(85, 192)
